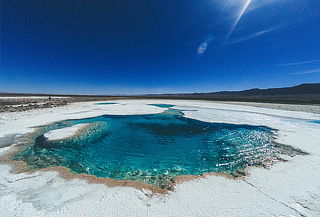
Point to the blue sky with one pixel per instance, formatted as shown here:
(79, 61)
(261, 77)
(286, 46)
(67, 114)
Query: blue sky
(147, 46)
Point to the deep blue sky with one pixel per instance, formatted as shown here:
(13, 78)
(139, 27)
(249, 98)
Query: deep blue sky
(148, 46)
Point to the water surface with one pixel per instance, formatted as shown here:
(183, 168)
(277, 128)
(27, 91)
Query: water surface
(162, 105)
(151, 148)
(105, 103)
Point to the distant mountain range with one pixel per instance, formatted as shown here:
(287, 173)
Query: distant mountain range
(304, 93)
(301, 89)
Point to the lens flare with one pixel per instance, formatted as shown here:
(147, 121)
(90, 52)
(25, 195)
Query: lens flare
(202, 48)
(239, 16)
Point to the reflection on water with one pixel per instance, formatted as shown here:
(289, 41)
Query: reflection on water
(151, 148)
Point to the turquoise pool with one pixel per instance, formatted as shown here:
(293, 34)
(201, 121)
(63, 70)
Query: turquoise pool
(151, 148)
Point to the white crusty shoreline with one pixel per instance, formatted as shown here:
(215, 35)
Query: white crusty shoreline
(286, 189)
(64, 132)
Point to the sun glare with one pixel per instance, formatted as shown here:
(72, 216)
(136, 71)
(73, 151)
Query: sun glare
(241, 12)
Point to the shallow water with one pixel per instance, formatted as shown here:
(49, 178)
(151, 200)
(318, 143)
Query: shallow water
(162, 105)
(151, 148)
(105, 103)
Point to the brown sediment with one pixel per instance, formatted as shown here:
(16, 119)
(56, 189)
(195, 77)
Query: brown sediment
(241, 174)
(186, 178)
(64, 172)
(84, 128)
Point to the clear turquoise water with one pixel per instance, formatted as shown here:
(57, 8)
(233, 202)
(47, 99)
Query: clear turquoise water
(151, 148)
(162, 105)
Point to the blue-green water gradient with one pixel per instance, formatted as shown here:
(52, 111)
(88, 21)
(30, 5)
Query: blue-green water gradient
(151, 148)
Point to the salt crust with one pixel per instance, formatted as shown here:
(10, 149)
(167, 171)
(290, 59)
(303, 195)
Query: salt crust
(64, 132)
(286, 189)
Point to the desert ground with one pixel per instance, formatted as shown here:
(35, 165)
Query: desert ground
(289, 188)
